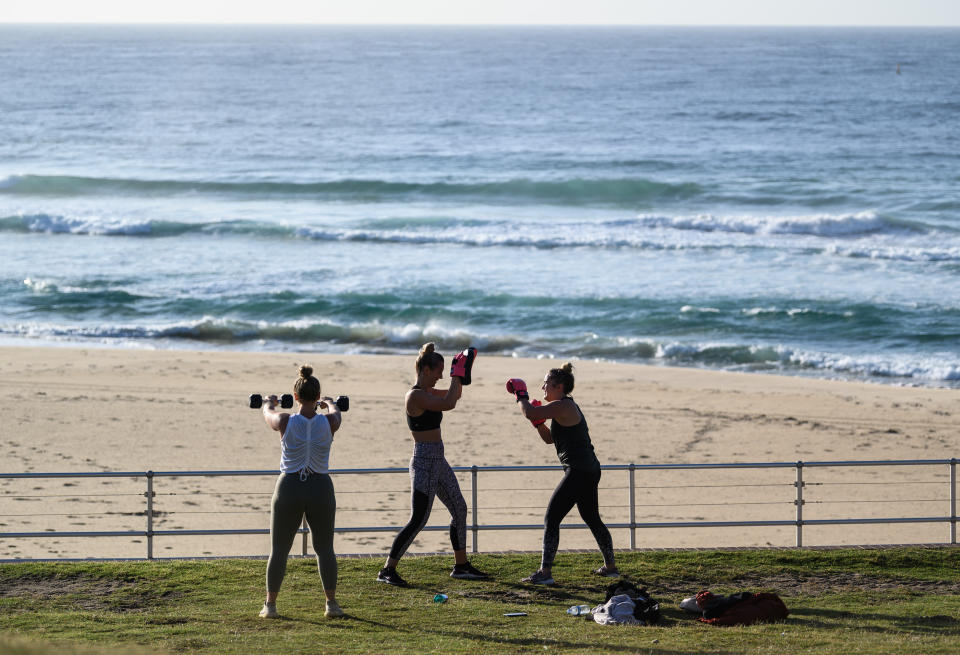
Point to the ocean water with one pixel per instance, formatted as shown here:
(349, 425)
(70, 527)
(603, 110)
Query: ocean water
(770, 200)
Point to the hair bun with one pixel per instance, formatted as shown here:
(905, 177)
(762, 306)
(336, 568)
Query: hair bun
(427, 348)
(306, 371)
(567, 368)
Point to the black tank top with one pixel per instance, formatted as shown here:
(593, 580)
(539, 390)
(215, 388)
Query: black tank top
(429, 420)
(573, 444)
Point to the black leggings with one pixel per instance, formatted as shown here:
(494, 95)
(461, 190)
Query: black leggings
(578, 487)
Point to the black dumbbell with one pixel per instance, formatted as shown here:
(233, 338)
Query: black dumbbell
(342, 403)
(256, 401)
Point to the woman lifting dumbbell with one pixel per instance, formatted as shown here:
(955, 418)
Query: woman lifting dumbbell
(568, 433)
(430, 474)
(304, 487)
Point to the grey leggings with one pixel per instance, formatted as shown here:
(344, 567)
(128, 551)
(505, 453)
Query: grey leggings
(292, 499)
(430, 477)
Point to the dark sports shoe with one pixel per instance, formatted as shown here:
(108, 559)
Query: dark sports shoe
(608, 573)
(539, 578)
(390, 576)
(467, 572)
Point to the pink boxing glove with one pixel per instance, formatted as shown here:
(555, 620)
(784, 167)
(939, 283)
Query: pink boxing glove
(538, 422)
(518, 387)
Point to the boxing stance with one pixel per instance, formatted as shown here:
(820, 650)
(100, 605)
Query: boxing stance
(303, 488)
(430, 474)
(568, 433)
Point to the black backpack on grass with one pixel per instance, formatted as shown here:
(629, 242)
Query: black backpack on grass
(646, 610)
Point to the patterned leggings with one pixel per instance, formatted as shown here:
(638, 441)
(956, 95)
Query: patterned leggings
(431, 477)
(578, 487)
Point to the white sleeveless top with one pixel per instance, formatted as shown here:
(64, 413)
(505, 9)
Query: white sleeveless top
(305, 444)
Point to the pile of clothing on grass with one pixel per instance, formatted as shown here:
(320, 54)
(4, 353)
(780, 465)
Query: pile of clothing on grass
(628, 604)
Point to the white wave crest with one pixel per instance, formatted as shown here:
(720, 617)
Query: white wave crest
(864, 234)
(926, 369)
(85, 225)
(898, 253)
(690, 309)
(40, 286)
(759, 311)
(821, 225)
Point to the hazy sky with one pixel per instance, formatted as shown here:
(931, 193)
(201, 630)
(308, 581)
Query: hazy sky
(616, 12)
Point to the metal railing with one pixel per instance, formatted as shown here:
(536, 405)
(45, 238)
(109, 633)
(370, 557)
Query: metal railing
(475, 527)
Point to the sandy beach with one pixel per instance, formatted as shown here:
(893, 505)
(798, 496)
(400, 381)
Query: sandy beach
(108, 410)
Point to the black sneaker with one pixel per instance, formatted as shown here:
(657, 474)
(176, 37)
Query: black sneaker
(539, 577)
(467, 572)
(605, 572)
(390, 576)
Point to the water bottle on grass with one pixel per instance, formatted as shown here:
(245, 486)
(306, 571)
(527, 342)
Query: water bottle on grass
(578, 610)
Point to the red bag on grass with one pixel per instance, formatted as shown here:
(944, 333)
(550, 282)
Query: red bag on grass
(746, 610)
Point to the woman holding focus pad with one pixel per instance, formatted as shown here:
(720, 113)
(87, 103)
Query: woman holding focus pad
(430, 474)
(581, 478)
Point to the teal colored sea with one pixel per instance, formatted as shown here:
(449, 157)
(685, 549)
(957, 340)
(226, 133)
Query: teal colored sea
(766, 200)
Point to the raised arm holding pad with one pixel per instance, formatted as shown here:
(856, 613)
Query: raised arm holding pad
(463, 364)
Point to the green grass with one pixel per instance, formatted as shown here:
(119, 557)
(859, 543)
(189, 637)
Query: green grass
(904, 600)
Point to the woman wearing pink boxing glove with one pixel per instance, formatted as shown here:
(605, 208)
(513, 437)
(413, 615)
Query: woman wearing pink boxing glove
(568, 433)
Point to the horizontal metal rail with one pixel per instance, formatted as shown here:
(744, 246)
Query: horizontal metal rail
(799, 521)
(507, 469)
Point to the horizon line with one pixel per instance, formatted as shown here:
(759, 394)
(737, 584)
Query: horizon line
(185, 23)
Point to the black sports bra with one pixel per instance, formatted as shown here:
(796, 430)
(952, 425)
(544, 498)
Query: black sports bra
(429, 420)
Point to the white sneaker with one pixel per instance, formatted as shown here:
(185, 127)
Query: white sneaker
(269, 611)
(333, 610)
(690, 605)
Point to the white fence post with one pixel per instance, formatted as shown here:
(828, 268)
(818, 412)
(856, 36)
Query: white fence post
(149, 495)
(799, 503)
(633, 506)
(473, 485)
(953, 501)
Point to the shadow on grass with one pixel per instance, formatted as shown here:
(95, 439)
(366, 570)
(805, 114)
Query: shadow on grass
(592, 646)
(938, 625)
(573, 594)
(348, 621)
